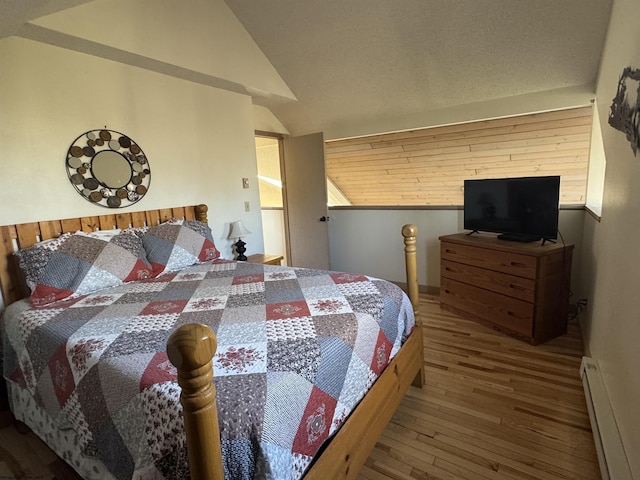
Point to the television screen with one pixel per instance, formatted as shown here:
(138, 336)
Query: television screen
(524, 209)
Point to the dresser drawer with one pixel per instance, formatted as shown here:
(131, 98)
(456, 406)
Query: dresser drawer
(510, 313)
(511, 285)
(499, 261)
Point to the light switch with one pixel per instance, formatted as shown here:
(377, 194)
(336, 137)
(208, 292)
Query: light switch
(247, 206)
(245, 183)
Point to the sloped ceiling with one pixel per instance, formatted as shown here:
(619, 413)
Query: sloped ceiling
(351, 62)
(354, 61)
(196, 40)
(15, 13)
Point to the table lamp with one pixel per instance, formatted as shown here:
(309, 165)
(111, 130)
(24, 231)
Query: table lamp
(238, 230)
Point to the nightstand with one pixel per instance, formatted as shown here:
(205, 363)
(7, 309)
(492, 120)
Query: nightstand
(265, 259)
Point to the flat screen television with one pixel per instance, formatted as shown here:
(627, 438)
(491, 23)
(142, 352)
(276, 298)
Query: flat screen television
(521, 209)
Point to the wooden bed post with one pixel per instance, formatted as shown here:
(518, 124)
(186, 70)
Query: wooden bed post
(409, 232)
(190, 349)
(201, 212)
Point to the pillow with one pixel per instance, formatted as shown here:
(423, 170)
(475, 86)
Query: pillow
(85, 263)
(141, 231)
(174, 246)
(32, 260)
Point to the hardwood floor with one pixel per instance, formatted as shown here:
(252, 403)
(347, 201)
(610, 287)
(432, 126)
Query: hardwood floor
(493, 408)
(26, 457)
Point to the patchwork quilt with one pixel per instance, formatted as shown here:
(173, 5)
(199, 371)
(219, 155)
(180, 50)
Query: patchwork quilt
(297, 350)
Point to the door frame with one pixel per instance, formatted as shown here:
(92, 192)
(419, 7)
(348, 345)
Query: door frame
(285, 214)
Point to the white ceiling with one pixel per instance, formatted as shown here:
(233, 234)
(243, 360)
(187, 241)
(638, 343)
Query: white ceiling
(15, 13)
(350, 61)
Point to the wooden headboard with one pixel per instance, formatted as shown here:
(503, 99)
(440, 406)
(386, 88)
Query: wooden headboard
(24, 235)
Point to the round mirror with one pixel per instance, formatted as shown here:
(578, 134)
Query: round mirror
(108, 168)
(111, 168)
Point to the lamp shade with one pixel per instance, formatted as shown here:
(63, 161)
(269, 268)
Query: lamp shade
(238, 230)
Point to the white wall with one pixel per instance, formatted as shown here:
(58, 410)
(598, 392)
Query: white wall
(611, 253)
(273, 232)
(199, 140)
(597, 166)
(371, 242)
(265, 121)
(198, 39)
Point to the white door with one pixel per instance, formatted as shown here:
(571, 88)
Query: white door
(305, 199)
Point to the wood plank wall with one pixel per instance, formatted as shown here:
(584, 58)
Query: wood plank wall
(428, 166)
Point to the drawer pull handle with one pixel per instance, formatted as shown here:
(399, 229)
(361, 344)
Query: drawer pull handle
(448, 250)
(517, 264)
(516, 287)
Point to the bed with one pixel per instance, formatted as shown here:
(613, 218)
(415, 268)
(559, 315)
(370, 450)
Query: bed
(113, 402)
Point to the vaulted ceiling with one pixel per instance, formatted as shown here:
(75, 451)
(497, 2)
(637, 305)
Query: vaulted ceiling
(15, 13)
(351, 61)
(354, 61)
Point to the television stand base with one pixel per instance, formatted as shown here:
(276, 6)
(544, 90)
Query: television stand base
(514, 237)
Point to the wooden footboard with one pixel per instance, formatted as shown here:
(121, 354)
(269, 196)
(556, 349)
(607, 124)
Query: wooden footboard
(192, 347)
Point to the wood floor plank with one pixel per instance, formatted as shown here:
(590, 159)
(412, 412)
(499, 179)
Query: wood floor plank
(412, 456)
(454, 424)
(514, 450)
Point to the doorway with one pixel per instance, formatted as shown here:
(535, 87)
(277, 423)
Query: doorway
(293, 182)
(268, 155)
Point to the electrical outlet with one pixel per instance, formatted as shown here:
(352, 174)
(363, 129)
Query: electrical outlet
(247, 206)
(245, 183)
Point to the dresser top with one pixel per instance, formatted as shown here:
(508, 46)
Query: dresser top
(491, 240)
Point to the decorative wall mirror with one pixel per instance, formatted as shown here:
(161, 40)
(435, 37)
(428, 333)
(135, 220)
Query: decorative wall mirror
(108, 168)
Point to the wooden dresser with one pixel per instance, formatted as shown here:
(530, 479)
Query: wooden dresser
(521, 289)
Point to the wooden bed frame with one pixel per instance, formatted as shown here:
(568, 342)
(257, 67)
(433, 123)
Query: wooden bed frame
(192, 347)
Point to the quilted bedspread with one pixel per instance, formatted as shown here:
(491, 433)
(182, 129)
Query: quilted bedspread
(297, 350)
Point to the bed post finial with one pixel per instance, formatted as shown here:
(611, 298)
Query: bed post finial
(201, 212)
(190, 349)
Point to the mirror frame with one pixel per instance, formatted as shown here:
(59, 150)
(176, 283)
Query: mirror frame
(78, 163)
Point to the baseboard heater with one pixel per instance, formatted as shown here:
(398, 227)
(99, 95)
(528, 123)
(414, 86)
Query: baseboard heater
(611, 455)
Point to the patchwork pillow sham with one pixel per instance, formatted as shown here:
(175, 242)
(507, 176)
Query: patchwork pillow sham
(34, 259)
(84, 263)
(142, 231)
(172, 246)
